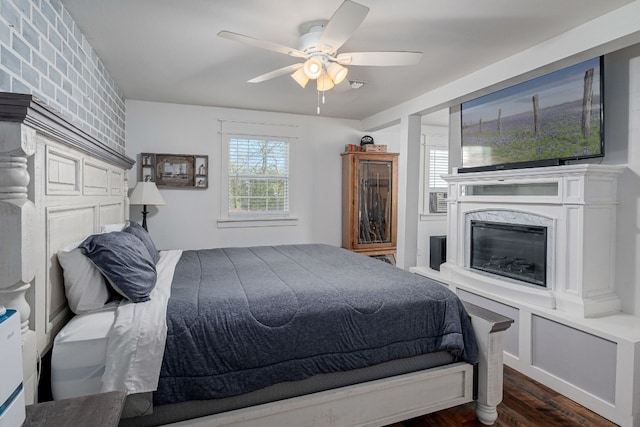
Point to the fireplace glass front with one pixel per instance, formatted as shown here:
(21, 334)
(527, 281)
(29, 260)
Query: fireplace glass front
(510, 250)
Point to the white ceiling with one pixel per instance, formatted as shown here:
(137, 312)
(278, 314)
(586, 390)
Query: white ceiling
(168, 51)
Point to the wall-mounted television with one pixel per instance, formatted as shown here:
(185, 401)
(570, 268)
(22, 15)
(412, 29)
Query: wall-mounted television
(542, 122)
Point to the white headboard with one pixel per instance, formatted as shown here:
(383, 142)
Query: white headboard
(57, 185)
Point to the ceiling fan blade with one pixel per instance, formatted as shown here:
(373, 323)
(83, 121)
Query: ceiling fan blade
(275, 73)
(262, 44)
(344, 22)
(379, 58)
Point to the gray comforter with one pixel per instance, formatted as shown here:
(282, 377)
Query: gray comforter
(240, 319)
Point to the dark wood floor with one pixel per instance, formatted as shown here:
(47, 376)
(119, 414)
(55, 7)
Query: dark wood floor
(525, 403)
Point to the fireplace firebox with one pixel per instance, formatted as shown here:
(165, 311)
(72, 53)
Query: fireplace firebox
(511, 250)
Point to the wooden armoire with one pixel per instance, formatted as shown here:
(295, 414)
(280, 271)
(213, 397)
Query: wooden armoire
(369, 203)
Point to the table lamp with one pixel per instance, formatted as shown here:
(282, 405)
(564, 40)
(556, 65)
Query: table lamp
(146, 193)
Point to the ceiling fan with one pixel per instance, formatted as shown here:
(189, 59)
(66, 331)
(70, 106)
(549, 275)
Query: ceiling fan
(318, 46)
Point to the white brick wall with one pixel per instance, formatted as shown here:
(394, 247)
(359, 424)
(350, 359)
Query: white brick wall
(43, 52)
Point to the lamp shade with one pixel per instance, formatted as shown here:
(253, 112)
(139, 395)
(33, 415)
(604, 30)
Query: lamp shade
(300, 77)
(313, 67)
(146, 193)
(324, 82)
(337, 72)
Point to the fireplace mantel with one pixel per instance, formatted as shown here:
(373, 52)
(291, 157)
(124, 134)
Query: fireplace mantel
(578, 205)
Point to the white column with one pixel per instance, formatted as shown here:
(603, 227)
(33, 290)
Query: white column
(17, 220)
(409, 191)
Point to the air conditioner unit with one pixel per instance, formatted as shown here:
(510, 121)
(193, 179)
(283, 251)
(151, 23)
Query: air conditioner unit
(438, 202)
(12, 407)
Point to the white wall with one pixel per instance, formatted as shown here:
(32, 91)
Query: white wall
(188, 220)
(622, 146)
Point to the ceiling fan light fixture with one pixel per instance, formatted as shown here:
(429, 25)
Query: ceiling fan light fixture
(300, 77)
(313, 67)
(324, 82)
(337, 72)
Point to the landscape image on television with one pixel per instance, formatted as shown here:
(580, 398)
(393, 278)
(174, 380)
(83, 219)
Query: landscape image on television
(555, 116)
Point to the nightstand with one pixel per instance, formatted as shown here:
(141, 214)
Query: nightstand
(102, 410)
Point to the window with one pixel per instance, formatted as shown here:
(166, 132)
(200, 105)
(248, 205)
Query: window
(258, 177)
(258, 171)
(438, 166)
(434, 163)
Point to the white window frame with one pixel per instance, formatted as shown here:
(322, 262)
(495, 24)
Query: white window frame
(430, 142)
(260, 131)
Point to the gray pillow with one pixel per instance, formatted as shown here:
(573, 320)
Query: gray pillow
(125, 262)
(84, 286)
(137, 230)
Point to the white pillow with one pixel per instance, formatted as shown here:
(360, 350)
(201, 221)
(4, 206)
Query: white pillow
(109, 228)
(84, 285)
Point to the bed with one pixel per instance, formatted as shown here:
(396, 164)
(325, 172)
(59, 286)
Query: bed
(78, 186)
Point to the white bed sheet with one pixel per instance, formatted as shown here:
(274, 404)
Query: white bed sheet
(138, 336)
(79, 354)
(117, 348)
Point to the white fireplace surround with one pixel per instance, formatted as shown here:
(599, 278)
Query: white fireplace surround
(576, 203)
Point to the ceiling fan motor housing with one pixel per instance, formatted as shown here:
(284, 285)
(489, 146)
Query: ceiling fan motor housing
(308, 41)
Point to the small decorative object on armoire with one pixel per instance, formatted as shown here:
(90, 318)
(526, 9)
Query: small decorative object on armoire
(369, 203)
(367, 139)
(175, 170)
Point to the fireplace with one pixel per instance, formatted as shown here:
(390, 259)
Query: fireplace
(516, 251)
(574, 265)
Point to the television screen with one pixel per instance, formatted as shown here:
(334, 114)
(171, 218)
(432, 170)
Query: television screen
(544, 121)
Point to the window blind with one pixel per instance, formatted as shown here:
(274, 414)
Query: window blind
(438, 165)
(258, 176)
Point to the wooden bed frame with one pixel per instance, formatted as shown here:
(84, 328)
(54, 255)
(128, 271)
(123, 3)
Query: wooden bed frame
(58, 184)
